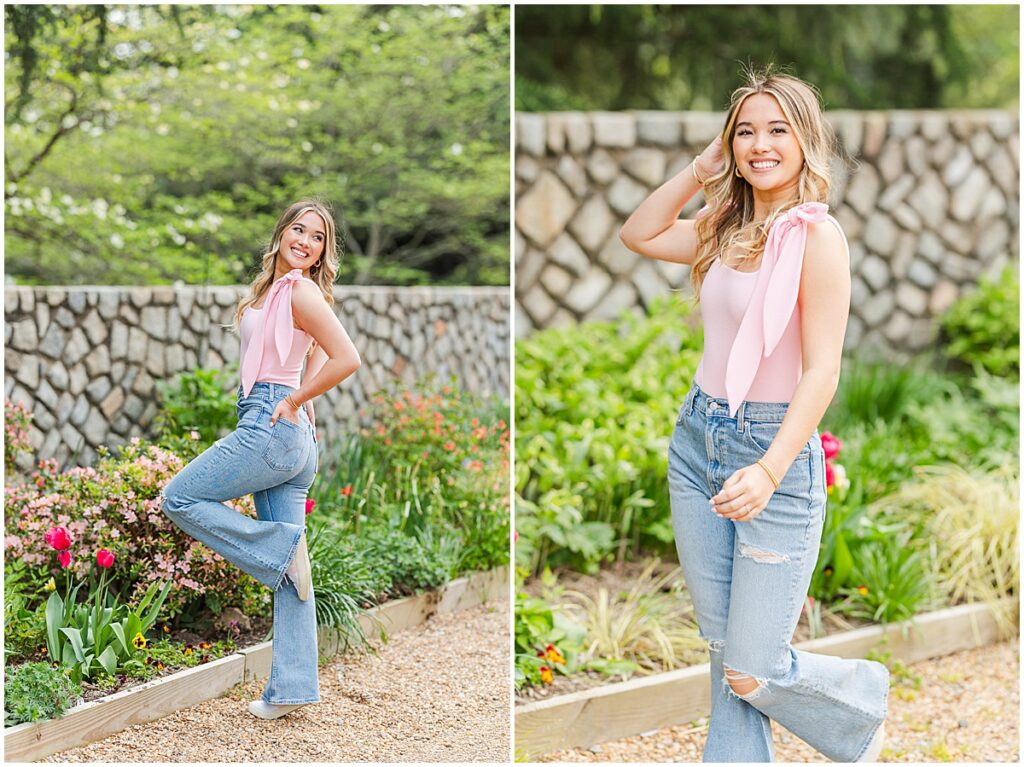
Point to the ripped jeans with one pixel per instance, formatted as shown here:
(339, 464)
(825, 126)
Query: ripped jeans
(748, 581)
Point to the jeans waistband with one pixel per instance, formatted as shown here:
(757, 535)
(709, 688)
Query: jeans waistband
(766, 412)
(271, 392)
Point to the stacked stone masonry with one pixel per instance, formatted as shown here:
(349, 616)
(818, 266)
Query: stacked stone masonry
(85, 360)
(928, 200)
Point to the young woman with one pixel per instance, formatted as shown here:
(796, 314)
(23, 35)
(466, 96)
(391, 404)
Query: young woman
(286, 318)
(771, 271)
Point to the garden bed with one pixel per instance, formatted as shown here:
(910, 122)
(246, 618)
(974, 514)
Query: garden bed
(612, 711)
(159, 697)
(618, 579)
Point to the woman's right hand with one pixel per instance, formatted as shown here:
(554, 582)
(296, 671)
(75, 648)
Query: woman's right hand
(711, 160)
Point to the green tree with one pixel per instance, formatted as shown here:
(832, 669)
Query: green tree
(689, 57)
(193, 127)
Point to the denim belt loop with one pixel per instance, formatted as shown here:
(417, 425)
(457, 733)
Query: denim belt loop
(690, 396)
(741, 413)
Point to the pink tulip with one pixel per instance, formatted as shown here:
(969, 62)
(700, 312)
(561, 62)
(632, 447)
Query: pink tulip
(64, 558)
(310, 503)
(104, 558)
(830, 474)
(831, 444)
(58, 537)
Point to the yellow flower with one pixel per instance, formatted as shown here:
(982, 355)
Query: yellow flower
(50, 585)
(188, 649)
(862, 590)
(546, 676)
(139, 642)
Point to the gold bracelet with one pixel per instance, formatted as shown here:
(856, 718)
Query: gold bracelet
(693, 169)
(771, 474)
(290, 401)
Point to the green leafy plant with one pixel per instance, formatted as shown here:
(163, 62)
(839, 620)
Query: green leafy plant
(345, 582)
(37, 691)
(595, 407)
(88, 638)
(983, 327)
(894, 582)
(547, 639)
(203, 401)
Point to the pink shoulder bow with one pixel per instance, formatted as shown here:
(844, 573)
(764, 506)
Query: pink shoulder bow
(278, 310)
(774, 299)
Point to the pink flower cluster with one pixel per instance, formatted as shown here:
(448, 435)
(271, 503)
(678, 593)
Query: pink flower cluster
(116, 506)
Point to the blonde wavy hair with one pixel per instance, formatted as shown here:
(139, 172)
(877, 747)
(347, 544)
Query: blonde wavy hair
(323, 274)
(729, 222)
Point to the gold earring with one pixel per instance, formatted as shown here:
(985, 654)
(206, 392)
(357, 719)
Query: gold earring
(738, 174)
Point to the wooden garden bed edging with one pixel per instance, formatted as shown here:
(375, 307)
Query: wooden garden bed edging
(613, 711)
(159, 697)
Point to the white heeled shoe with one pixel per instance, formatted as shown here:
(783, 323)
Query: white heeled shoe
(874, 748)
(300, 570)
(265, 710)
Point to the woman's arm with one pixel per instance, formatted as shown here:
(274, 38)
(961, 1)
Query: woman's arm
(824, 298)
(336, 357)
(654, 230)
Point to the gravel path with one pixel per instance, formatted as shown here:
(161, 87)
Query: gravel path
(966, 709)
(436, 693)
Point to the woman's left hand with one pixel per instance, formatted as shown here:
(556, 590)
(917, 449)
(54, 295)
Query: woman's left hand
(286, 411)
(744, 495)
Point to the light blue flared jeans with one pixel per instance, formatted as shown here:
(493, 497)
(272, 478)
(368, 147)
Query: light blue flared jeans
(276, 464)
(748, 581)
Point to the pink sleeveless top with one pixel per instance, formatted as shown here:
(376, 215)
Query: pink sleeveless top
(751, 320)
(272, 347)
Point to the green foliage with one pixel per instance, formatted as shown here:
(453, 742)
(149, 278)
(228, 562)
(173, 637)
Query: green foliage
(921, 418)
(202, 401)
(595, 406)
(983, 327)
(688, 57)
(36, 691)
(412, 563)
(895, 582)
(208, 120)
(166, 655)
(346, 581)
(545, 637)
(24, 625)
(433, 468)
(102, 634)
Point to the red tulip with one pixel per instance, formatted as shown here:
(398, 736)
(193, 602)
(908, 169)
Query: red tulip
(104, 558)
(830, 474)
(64, 558)
(830, 444)
(58, 537)
(347, 490)
(310, 503)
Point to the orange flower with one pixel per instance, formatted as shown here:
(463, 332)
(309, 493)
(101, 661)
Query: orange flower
(546, 676)
(347, 490)
(553, 655)
(862, 590)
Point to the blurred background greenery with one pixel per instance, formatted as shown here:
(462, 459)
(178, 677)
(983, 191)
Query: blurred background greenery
(149, 144)
(689, 57)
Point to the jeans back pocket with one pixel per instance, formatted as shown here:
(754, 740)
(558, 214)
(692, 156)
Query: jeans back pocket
(287, 445)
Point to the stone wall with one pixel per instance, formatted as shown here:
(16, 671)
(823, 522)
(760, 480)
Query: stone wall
(928, 200)
(85, 360)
